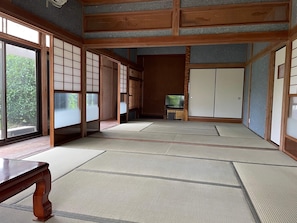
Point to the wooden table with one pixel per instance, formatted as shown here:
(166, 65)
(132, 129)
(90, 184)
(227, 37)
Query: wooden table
(17, 175)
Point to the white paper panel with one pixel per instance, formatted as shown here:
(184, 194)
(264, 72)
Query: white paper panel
(89, 74)
(76, 87)
(89, 62)
(76, 50)
(58, 52)
(67, 55)
(89, 69)
(58, 43)
(68, 78)
(96, 58)
(59, 77)
(96, 88)
(294, 62)
(76, 79)
(58, 60)
(67, 62)
(76, 72)
(89, 55)
(293, 71)
(293, 80)
(58, 69)
(58, 85)
(96, 70)
(293, 89)
(89, 88)
(68, 47)
(76, 65)
(294, 53)
(67, 86)
(68, 71)
(76, 57)
(89, 81)
(294, 44)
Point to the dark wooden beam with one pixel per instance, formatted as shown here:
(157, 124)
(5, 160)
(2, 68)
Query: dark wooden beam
(128, 21)
(227, 38)
(255, 13)
(176, 17)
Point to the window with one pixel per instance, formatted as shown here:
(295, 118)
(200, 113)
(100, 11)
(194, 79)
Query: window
(19, 95)
(67, 110)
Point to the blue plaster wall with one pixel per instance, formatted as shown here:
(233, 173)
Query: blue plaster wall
(258, 47)
(258, 97)
(161, 50)
(69, 17)
(233, 53)
(122, 52)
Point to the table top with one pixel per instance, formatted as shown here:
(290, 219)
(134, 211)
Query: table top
(12, 168)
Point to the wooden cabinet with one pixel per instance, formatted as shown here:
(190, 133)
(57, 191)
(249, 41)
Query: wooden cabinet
(174, 114)
(216, 92)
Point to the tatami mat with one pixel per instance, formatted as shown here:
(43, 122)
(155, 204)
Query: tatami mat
(237, 130)
(273, 157)
(61, 161)
(141, 199)
(151, 147)
(130, 126)
(10, 215)
(225, 141)
(205, 171)
(272, 190)
(188, 138)
(182, 130)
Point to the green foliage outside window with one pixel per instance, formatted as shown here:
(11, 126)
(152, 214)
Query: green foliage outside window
(20, 91)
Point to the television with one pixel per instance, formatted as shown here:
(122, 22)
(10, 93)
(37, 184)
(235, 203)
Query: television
(174, 101)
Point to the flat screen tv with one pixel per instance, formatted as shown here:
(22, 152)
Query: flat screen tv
(174, 101)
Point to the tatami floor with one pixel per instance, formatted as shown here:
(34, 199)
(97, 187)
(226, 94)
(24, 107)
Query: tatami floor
(161, 171)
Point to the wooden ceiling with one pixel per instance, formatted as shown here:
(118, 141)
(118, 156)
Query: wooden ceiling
(180, 18)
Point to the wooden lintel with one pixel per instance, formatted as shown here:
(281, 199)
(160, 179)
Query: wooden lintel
(226, 38)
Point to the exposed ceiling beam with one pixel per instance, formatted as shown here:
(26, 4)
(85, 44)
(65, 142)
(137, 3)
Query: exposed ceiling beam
(226, 38)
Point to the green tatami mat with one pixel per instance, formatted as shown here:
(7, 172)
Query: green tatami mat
(235, 131)
(61, 161)
(143, 199)
(272, 190)
(178, 168)
(274, 157)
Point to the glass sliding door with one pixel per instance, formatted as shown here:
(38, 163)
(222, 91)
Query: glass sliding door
(2, 91)
(21, 91)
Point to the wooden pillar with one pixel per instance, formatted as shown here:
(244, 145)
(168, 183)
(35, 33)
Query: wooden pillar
(186, 83)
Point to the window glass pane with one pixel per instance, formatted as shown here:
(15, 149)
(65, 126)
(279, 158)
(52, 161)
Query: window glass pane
(23, 32)
(92, 107)
(21, 93)
(2, 112)
(67, 110)
(292, 119)
(1, 24)
(47, 41)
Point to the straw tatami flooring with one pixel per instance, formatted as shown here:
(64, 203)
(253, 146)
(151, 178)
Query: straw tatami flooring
(157, 171)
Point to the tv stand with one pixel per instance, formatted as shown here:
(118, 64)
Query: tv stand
(175, 113)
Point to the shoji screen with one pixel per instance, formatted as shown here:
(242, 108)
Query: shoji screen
(67, 66)
(67, 83)
(92, 110)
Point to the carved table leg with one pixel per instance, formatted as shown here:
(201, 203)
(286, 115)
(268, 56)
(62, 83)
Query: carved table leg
(42, 207)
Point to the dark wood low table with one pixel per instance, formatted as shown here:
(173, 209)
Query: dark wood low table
(17, 175)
